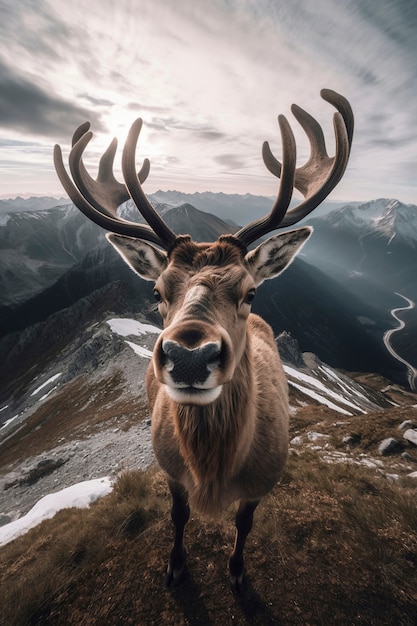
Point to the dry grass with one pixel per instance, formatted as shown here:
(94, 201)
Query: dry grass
(48, 561)
(331, 545)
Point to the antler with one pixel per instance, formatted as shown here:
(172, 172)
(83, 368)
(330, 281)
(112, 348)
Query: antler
(315, 179)
(98, 199)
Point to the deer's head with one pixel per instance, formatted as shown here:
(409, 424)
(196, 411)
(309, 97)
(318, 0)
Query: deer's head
(204, 290)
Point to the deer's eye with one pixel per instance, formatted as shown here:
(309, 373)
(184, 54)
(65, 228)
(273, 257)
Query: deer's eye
(157, 295)
(250, 296)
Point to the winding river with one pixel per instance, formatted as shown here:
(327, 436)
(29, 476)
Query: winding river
(412, 371)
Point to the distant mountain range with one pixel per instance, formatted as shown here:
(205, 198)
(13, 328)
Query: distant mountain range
(38, 203)
(336, 298)
(236, 208)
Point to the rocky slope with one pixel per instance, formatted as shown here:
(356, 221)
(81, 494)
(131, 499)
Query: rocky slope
(81, 413)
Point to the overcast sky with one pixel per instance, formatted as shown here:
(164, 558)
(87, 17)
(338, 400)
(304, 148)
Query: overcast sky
(209, 78)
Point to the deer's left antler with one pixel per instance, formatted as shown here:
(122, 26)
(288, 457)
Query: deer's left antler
(316, 178)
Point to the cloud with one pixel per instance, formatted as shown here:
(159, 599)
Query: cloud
(32, 25)
(14, 143)
(230, 161)
(140, 106)
(211, 135)
(197, 130)
(96, 101)
(210, 77)
(27, 108)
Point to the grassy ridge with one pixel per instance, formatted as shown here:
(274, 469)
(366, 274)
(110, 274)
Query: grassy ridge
(332, 544)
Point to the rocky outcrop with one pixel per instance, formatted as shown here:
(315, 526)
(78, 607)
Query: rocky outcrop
(289, 349)
(39, 470)
(390, 446)
(411, 435)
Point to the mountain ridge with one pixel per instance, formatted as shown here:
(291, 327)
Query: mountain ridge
(53, 257)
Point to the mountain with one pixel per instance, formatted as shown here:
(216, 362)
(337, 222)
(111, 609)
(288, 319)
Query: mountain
(37, 247)
(240, 209)
(371, 249)
(374, 242)
(234, 208)
(52, 258)
(34, 203)
(337, 297)
(383, 218)
(200, 225)
(344, 330)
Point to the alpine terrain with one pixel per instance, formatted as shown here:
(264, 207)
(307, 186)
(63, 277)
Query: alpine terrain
(335, 542)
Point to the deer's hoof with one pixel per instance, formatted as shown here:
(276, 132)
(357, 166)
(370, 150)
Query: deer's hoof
(237, 584)
(173, 577)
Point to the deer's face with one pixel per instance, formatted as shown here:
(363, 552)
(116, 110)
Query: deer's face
(204, 294)
(204, 306)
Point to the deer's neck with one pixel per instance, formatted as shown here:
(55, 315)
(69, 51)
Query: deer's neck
(214, 437)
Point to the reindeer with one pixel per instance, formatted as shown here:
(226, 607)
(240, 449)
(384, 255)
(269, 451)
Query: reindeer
(216, 387)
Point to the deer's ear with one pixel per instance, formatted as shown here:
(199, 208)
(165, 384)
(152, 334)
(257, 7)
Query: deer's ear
(143, 258)
(275, 254)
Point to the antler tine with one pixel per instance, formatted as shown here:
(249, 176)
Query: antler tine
(321, 173)
(256, 229)
(343, 106)
(136, 191)
(113, 224)
(79, 132)
(106, 193)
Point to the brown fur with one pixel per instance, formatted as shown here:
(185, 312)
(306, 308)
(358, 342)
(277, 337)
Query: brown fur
(234, 448)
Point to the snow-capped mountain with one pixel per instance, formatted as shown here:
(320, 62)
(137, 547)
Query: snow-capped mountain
(399, 221)
(373, 243)
(336, 298)
(386, 218)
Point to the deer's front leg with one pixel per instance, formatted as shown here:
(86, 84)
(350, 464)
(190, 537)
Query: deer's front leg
(244, 521)
(180, 514)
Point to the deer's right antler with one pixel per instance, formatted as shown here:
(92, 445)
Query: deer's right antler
(99, 199)
(316, 178)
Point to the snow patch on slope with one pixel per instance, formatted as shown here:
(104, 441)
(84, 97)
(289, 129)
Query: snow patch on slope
(80, 495)
(125, 327)
(310, 386)
(147, 354)
(335, 390)
(46, 383)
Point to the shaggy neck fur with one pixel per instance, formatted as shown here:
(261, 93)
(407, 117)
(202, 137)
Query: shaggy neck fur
(213, 438)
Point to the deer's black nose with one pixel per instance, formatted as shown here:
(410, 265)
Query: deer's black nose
(191, 366)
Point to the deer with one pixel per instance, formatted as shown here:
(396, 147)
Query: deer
(216, 387)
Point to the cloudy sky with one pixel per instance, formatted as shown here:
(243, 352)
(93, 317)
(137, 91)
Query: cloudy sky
(208, 77)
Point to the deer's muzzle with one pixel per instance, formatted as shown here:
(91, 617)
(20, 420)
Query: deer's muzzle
(191, 367)
(191, 364)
